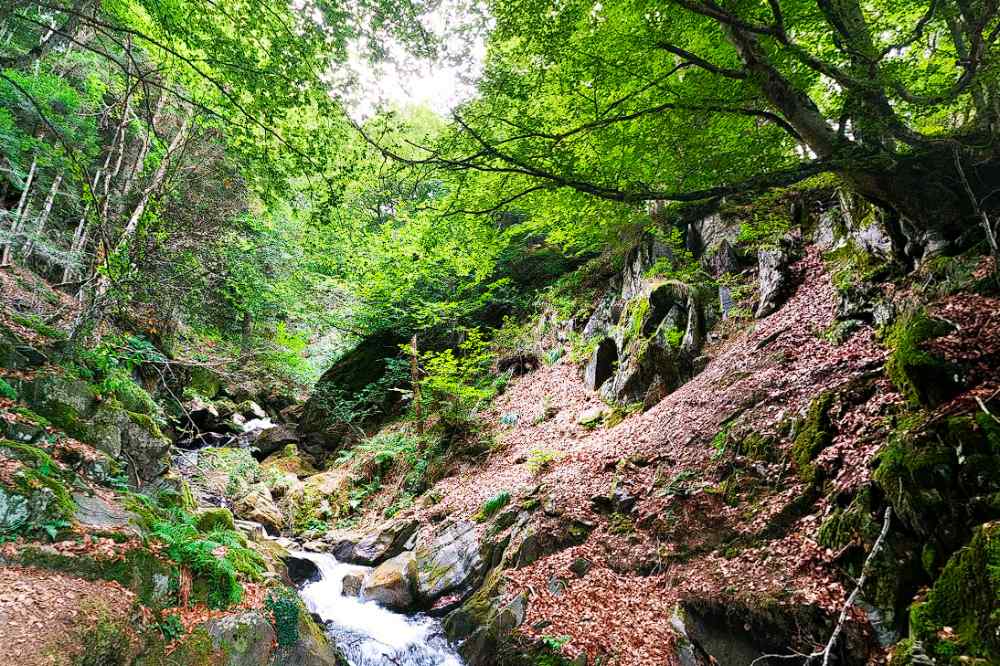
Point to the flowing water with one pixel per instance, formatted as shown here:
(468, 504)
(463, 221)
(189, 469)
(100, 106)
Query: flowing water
(368, 634)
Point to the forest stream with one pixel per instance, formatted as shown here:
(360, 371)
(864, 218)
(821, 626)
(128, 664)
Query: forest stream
(367, 633)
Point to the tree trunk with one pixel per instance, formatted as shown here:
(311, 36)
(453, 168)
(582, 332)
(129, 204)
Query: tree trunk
(415, 381)
(22, 205)
(157, 180)
(247, 331)
(140, 159)
(920, 186)
(44, 217)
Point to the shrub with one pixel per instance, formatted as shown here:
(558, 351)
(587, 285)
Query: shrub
(492, 505)
(283, 605)
(171, 628)
(38, 325)
(6, 390)
(456, 385)
(541, 459)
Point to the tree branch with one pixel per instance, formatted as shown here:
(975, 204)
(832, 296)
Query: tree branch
(738, 74)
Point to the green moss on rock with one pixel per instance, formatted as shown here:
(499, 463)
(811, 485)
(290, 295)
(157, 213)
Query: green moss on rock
(38, 496)
(855, 523)
(965, 599)
(923, 378)
(215, 518)
(814, 435)
(138, 569)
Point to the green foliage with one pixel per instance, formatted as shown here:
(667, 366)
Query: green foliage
(720, 442)
(619, 413)
(679, 264)
(555, 642)
(620, 523)
(7, 391)
(514, 337)
(354, 408)
(540, 459)
(581, 349)
(389, 453)
(283, 605)
(38, 325)
(110, 366)
(170, 627)
(492, 505)
(456, 385)
(218, 555)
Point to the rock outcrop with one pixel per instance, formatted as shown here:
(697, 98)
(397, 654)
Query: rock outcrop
(391, 583)
(353, 384)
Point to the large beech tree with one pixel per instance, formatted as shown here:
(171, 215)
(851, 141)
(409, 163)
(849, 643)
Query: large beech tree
(685, 100)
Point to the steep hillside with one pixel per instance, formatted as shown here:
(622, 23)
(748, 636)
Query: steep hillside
(731, 515)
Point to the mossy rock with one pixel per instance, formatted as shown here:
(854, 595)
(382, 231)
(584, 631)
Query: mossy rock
(68, 403)
(38, 495)
(150, 578)
(814, 435)
(923, 378)
(204, 381)
(195, 649)
(855, 523)
(965, 599)
(758, 447)
(215, 518)
(895, 572)
(940, 476)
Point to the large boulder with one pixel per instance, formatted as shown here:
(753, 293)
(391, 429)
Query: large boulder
(357, 384)
(73, 405)
(374, 547)
(258, 506)
(245, 638)
(707, 234)
(772, 266)
(447, 561)
(100, 514)
(601, 365)
(332, 483)
(391, 583)
(742, 633)
(289, 461)
(274, 439)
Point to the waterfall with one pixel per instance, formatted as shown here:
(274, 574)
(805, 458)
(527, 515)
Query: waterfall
(368, 634)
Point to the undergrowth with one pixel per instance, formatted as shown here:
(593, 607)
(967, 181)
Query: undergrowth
(218, 557)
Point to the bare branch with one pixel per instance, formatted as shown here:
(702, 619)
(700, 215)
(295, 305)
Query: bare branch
(698, 61)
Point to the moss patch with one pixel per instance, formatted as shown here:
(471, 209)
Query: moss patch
(137, 569)
(923, 378)
(215, 518)
(966, 599)
(815, 434)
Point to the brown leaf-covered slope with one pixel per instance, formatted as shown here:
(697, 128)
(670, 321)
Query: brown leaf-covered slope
(707, 522)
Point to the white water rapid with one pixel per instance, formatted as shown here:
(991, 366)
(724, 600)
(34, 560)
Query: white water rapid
(368, 634)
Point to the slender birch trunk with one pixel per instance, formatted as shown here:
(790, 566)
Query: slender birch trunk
(22, 205)
(44, 217)
(156, 182)
(147, 141)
